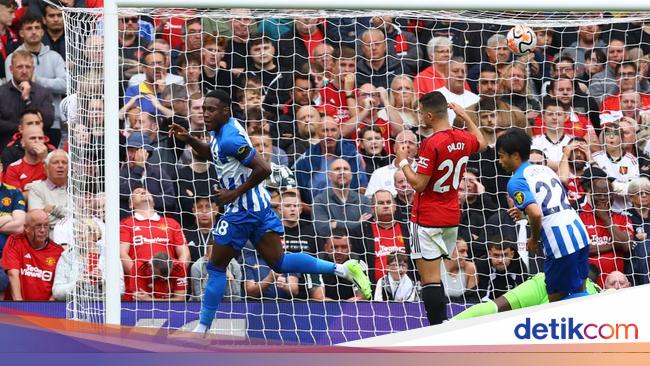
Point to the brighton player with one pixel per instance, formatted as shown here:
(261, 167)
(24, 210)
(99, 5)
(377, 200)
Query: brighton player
(538, 192)
(530, 293)
(248, 213)
(436, 213)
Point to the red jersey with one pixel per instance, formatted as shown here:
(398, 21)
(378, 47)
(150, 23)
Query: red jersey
(158, 287)
(387, 241)
(37, 267)
(150, 236)
(609, 261)
(21, 173)
(334, 103)
(443, 157)
(613, 103)
(384, 127)
(577, 128)
(574, 189)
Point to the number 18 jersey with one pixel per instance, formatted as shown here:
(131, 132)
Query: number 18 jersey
(563, 232)
(443, 157)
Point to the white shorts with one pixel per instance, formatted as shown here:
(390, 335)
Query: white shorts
(432, 242)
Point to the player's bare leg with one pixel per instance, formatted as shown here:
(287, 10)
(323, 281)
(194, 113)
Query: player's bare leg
(270, 248)
(433, 294)
(215, 286)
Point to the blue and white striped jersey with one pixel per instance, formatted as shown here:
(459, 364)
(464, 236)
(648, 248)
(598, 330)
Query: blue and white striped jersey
(232, 152)
(563, 232)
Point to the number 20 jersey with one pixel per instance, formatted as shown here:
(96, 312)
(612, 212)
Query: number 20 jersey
(443, 157)
(563, 233)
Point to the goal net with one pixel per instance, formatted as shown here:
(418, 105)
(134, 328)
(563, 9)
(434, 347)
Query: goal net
(327, 97)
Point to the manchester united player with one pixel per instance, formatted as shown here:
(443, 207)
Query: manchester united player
(30, 260)
(436, 212)
(161, 278)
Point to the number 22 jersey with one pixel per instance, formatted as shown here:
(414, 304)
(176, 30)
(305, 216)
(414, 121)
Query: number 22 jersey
(563, 233)
(443, 157)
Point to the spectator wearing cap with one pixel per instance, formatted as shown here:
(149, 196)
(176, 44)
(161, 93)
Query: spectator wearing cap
(639, 214)
(30, 168)
(137, 170)
(611, 233)
(475, 203)
(15, 149)
(51, 194)
(501, 270)
(615, 161)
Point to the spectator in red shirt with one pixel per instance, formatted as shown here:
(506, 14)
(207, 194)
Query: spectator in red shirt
(30, 168)
(146, 232)
(160, 279)
(30, 260)
(385, 236)
(610, 232)
(15, 150)
(435, 76)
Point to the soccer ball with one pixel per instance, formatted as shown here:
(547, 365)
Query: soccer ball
(521, 40)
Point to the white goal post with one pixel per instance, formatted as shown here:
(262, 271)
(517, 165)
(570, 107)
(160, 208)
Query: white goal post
(111, 81)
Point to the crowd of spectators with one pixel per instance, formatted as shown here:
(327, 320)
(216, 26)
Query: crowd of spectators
(326, 102)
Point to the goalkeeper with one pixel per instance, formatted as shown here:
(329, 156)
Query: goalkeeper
(530, 293)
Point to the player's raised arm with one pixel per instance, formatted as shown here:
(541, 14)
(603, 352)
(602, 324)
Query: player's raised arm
(470, 125)
(202, 149)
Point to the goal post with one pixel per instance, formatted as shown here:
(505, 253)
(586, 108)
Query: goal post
(111, 79)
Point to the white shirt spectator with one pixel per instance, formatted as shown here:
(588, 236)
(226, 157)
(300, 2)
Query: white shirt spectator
(464, 100)
(137, 79)
(553, 151)
(382, 178)
(623, 170)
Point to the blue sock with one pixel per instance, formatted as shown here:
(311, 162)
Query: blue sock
(304, 263)
(577, 294)
(212, 294)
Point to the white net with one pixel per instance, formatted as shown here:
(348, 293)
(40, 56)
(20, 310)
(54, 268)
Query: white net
(327, 97)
